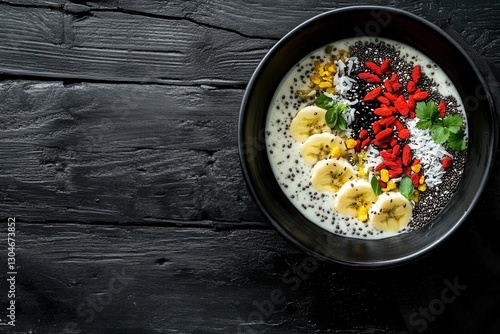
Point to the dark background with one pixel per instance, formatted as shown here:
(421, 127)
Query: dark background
(119, 161)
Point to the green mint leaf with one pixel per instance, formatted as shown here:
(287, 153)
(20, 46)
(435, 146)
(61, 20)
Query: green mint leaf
(331, 117)
(406, 187)
(439, 134)
(427, 111)
(423, 124)
(377, 188)
(324, 101)
(453, 123)
(341, 122)
(421, 111)
(457, 141)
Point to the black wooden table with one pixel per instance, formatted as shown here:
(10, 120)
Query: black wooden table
(119, 163)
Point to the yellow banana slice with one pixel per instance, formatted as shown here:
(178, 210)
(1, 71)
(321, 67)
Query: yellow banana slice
(308, 121)
(391, 212)
(320, 146)
(331, 174)
(354, 199)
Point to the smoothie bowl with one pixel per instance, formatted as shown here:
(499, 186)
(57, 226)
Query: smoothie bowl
(363, 137)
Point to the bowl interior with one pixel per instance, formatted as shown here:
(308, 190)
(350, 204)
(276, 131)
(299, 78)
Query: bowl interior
(378, 22)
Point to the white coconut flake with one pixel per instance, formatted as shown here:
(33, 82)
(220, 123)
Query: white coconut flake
(430, 154)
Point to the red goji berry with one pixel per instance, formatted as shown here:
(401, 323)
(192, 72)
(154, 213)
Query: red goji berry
(366, 142)
(415, 162)
(398, 125)
(380, 166)
(407, 170)
(363, 134)
(420, 95)
(384, 134)
(373, 67)
(442, 109)
(394, 173)
(369, 77)
(357, 148)
(391, 97)
(401, 105)
(386, 155)
(394, 78)
(385, 65)
(371, 95)
(376, 127)
(393, 142)
(392, 164)
(396, 150)
(414, 179)
(382, 112)
(446, 162)
(383, 100)
(387, 85)
(382, 183)
(397, 86)
(411, 87)
(386, 121)
(411, 103)
(404, 134)
(412, 115)
(406, 157)
(416, 74)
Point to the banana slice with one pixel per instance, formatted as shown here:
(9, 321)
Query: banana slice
(331, 174)
(308, 121)
(354, 199)
(391, 212)
(320, 146)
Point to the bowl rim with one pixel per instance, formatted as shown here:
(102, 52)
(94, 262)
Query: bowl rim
(277, 226)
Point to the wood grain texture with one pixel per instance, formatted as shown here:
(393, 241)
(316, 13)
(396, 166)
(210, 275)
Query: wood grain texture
(198, 280)
(123, 153)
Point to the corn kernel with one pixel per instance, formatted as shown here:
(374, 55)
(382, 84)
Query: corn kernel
(361, 170)
(391, 185)
(331, 90)
(384, 175)
(421, 180)
(335, 152)
(325, 84)
(416, 168)
(422, 187)
(362, 213)
(414, 197)
(315, 79)
(350, 143)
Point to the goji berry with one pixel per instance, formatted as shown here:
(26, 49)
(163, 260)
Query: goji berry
(386, 155)
(383, 100)
(414, 179)
(420, 95)
(416, 74)
(401, 105)
(391, 97)
(382, 183)
(442, 109)
(446, 162)
(392, 164)
(373, 67)
(385, 65)
(384, 133)
(397, 86)
(394, 78)
(404, 134)
(386, 121)
(415, 162)
(411, 87)
(380, 166)
(357, 148)
(387, 85)
(407, 170)
(411, 103)
(406, 155)
(393, 142)
(394, 173)
(382, 112)
(412, 115)
(369, 77)
(363, 134)
(396, 150)
(371, 95)
(376, 127)
(398, 125)
(366, 142)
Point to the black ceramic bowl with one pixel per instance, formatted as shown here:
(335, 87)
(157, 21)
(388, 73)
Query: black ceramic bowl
(345, 23)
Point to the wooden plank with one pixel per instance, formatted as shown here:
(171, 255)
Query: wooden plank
(176, 42)
(123, 153)
(111, 279)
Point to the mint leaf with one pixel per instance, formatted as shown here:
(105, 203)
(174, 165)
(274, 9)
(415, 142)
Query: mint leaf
(453, 123)
(341, 122)
(427, 111)
(423, 124)
(439, 134)
(377, 188)
(457, 141)
(406, 187)
(324, 101)
(331, 117)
